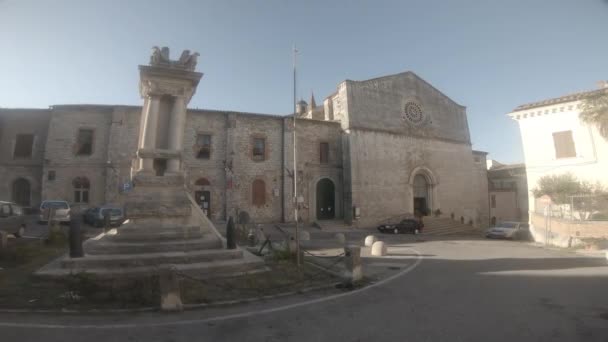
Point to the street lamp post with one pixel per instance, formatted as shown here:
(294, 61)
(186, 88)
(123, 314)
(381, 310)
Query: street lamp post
(295, 172)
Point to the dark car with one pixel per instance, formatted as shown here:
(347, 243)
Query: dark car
(95, 216)
(12, 219)
(412, 226)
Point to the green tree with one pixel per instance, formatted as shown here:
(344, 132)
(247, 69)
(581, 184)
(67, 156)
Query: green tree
(558, 187)
(595, 111)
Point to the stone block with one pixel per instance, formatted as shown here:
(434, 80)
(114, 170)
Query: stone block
(369, 240)
(378, 248)
(170, 296)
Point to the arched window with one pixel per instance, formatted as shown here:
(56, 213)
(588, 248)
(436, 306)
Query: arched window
(258, 193)
(202, 182)
(81, 189)
(21, 192)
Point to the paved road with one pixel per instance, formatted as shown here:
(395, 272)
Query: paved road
(462, 290)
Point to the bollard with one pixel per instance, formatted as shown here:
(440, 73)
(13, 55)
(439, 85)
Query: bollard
(304, 235)
(378, 249)
(352, 261)
(369, 240)
(230, 234)
(170, 296)
(75, 237)
(3, 240)
(106, 220)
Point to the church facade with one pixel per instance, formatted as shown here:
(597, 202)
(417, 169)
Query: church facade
(373, 149)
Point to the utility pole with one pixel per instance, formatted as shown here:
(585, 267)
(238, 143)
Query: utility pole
(295, 172)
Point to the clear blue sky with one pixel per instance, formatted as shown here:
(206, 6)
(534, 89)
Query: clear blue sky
(487, 55)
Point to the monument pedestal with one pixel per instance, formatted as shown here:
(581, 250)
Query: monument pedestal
(165, 225)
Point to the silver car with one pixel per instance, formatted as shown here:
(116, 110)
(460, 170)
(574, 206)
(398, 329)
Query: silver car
(61, 209)
(12, 219)
(509, 230)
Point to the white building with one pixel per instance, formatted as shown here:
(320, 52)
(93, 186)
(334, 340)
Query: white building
(556, 141)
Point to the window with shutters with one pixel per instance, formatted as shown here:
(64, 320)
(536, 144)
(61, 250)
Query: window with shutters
(23, 146)
(84, 143)
(258, 152)
(258, 192)
(203, 145)
(564, 145)
(324, 153)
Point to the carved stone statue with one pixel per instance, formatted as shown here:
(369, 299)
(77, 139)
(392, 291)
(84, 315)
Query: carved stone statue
(160, 57)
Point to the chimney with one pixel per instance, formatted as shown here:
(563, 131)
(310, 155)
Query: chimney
(602, 84)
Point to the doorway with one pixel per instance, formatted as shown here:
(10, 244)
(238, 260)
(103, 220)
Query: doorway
(203, 199)
(421, 195)
(326, 200)
(21, 192)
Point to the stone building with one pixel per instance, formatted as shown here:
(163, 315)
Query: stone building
(371, 150)
(508, 190)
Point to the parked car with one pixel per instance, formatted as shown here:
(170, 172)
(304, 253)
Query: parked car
(12, 219)
(95, 216)
(510, 230)
(411, 225)
(62, 211)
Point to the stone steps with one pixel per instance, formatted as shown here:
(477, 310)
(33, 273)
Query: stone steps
(220, 268)
(150, 259)
(155, 234)
(118, 247)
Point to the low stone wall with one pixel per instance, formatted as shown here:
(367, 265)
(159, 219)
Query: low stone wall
(566, 233)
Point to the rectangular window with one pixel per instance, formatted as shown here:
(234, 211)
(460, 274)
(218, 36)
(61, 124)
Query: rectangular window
(564, 145)
(259, 149)
(23, 146)
(84, 145)
(203, 143)
(324, 153)
(493, 201)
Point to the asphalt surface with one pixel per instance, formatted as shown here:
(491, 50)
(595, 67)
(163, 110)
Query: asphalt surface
(448, 289)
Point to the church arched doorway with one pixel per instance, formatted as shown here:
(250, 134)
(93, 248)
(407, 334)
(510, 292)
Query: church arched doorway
(422, 195)
(22, 192)
(326, 199)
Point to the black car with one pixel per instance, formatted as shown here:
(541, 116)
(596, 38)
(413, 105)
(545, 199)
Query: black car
(412, 226)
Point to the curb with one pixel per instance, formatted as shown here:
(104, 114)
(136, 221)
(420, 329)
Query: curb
(186, 306)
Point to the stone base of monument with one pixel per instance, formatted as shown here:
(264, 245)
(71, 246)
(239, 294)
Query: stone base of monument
(166, 227)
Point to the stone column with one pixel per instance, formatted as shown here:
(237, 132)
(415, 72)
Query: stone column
(148, 137)
(176, 132)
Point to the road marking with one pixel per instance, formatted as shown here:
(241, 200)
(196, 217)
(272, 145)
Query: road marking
(218, 318)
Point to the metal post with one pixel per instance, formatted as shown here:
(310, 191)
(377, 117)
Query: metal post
(295, 171)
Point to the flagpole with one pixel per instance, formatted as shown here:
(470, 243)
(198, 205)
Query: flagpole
(295, 172)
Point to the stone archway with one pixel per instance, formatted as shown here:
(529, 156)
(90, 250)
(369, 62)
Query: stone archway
(21, 192)
(423, 186)
(326, 199)
(421, 198)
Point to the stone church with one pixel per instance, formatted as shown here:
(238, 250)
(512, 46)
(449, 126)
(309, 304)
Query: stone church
(371, 150)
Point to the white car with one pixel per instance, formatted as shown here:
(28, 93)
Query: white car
(61, 208)
(509, 230)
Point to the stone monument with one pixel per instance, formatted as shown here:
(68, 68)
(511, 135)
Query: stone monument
(165, 225)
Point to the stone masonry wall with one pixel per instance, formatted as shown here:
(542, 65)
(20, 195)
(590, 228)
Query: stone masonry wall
(22, 121)
(383, 166)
